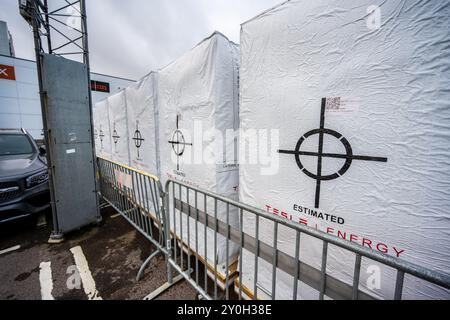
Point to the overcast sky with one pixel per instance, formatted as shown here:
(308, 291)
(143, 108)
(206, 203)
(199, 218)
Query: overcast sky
(130, 38)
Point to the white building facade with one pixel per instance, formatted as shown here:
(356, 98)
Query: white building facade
(19, 94)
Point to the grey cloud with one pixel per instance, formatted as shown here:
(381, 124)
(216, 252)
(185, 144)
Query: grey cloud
(131, 38)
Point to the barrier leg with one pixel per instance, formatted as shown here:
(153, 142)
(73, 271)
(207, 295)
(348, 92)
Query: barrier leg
(169, 267)
(164, 287)
(145, 264)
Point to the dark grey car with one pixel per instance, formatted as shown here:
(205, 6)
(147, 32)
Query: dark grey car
(24, 188)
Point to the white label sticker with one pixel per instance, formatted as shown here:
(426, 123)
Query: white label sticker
(70, 151)
(339, 105)
(124, 179)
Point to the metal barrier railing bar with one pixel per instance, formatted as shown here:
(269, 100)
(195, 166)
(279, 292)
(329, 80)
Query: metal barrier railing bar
(187, 217)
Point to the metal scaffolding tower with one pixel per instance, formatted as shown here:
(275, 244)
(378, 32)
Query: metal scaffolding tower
(60, 30)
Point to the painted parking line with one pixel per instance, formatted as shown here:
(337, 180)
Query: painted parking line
(9, 250)
(45, 278)
(85, 274)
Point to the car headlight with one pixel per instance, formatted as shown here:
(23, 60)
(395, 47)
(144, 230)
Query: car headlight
(37, 179)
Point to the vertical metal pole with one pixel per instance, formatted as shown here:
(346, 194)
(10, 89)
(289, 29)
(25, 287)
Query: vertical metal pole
(206, 242)
(227, 263)
(356, 276)
(255, 275)
(47, 28)
(188, 231)
(297, 267)
(274, 260)
(324, 271)
(399, 285)
(181, 227)
(56, 234)
(88, 68)
(165, 215)
(241, 257)
(174, 223)
(216, 229)
(196, 238)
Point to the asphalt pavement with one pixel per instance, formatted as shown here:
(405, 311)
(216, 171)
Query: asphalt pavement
(97, 262)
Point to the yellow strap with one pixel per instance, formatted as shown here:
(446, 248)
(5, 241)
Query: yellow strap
(130, 168)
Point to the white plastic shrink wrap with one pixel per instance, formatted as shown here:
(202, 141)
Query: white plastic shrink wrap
(385, 168)
(197, 95)
(142, 124)
(101, 130)
(118, 126)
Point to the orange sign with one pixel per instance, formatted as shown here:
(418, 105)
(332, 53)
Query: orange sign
(7, 72)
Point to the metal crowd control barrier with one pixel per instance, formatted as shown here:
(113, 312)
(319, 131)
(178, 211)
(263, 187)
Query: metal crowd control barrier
(300, 271)
(131, 200)
(138, 197)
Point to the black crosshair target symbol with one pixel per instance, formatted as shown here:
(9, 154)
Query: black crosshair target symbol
(178, 143)
(101, 135)
(138, 139)
(115, 137)
(349, 157)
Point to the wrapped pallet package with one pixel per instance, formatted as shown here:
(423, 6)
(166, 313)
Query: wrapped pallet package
(198, 103)
(101, 130)
(142, 132)
(118, 125)
(142, 124)
(358, 94)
